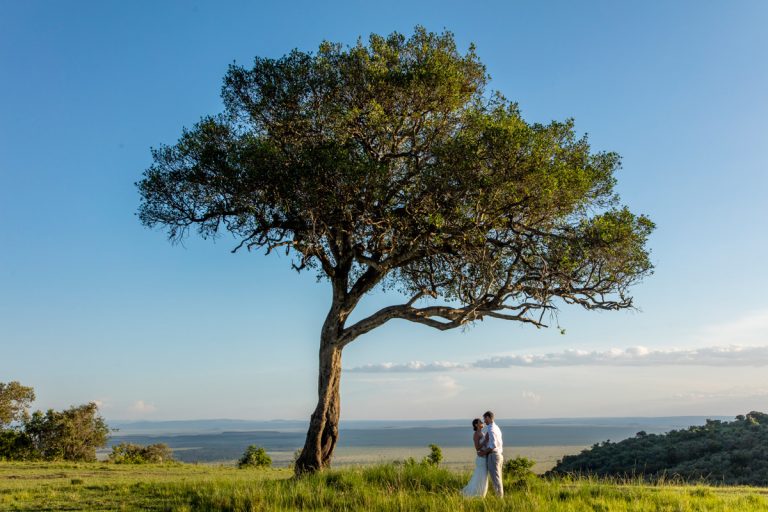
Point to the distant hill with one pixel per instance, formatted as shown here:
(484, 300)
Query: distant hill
(226, 439)
(728, 452)
(207, 426)
(210, 426)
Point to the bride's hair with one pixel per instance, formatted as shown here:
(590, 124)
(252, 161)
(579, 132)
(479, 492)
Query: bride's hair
(476, 422)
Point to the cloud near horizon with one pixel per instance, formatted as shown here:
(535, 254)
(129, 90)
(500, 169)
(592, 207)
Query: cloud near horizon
(732, 355)
(140, 406)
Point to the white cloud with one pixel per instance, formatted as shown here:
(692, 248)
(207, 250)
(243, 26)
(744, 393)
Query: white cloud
(141, 406)
(530, 396)
(413, 366)
(723, 356)
(637, 356)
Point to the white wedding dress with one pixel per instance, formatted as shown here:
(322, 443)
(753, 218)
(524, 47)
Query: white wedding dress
(478, 484)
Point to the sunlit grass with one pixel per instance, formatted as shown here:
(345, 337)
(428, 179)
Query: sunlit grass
(189, 487)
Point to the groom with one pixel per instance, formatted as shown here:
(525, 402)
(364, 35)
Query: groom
(492, 451)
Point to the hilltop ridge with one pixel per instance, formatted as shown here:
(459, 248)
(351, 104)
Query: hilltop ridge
(728, 452)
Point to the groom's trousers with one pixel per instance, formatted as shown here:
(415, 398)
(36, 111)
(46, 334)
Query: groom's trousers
(494, 462)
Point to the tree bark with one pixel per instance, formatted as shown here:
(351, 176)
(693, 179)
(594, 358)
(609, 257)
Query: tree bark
(324, 426)
(323, 430)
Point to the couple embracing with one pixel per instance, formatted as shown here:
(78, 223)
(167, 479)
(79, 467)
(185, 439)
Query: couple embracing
(488, 444)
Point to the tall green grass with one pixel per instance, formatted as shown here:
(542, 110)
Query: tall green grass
(377, 488)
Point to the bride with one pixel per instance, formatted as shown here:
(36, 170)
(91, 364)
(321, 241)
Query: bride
(478, 484)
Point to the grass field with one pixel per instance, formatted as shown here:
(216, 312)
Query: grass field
(188, 487)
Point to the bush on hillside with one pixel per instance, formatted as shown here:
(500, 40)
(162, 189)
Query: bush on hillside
(254, 457)
(435, 456)
(129, 453)
(518, 468)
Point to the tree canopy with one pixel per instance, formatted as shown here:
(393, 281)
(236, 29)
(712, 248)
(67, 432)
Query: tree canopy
(389, 164)
(72, 434)
(15, 400)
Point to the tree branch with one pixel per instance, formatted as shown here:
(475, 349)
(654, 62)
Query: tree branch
(453, 316)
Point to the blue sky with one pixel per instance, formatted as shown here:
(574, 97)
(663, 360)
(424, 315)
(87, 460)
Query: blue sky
(95, 307)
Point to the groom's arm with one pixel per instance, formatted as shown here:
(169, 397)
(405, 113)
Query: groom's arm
(484, 446)
(489, 443)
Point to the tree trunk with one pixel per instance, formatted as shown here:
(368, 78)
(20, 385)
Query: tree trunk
(324, 426)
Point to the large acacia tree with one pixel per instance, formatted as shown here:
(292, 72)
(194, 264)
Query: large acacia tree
(389, 165)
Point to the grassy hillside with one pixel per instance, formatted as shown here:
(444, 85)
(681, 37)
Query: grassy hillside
(186, 487)
(722, 452)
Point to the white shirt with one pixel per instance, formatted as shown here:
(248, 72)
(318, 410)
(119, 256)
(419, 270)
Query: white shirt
(495, 443)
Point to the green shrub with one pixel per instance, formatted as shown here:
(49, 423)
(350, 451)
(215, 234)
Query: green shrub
(435, 456)
(254, 457)
(128, 453)
(518, 468)
(16, 445)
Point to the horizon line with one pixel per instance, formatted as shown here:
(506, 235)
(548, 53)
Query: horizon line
(277, 420)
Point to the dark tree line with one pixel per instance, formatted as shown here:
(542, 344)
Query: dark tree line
(72, 434)
(734, 453)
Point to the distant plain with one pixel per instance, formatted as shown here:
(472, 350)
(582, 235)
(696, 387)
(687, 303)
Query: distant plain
(375, 442)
